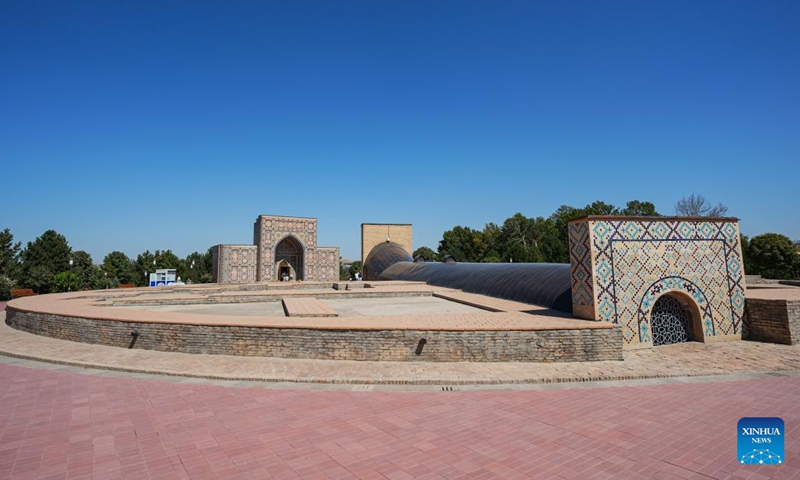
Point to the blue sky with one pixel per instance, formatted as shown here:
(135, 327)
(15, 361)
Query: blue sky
(172, 125)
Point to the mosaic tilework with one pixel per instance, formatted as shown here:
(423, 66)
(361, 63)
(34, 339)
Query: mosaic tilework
(234, 264)
(256, 263)
(318, 264)
(580, 258)
(635, 261)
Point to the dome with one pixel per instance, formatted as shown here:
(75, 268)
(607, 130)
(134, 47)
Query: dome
(383, 256)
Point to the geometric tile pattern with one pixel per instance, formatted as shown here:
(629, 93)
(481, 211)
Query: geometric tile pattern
(256, 263)
(580, 258)
(235, 264)
(634, 261)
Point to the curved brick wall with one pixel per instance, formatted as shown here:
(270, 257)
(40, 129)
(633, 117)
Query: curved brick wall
(591, 344)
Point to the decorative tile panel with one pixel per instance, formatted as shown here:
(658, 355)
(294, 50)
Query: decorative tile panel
(235, 264)
(633, 262)
(318, 264)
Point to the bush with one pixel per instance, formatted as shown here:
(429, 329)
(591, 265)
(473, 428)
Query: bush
(6, 284)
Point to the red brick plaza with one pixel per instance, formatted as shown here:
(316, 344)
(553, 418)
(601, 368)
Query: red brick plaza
(72, 423)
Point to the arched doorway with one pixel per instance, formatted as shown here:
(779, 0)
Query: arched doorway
(289, 254)
(671, 321)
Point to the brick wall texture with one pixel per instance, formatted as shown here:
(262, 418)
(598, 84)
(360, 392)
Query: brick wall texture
(372, 345)
(257, 263)
(775, 321)
(373, 234)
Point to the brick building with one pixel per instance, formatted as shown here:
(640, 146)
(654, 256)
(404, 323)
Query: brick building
(283, 248)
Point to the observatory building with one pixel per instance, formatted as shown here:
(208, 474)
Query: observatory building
(284, 248)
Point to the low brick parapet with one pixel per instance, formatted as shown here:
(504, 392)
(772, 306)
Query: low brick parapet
(399, 345)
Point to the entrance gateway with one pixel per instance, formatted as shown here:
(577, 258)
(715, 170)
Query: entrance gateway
(280, 245)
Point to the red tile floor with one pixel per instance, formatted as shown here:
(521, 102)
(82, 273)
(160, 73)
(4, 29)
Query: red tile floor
(68, 424)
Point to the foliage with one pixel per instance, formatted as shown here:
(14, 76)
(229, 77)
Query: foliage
(6, 285)
(39, 278)
(463, 244)
(42, 259)
(635, 208)
(66, 282)
(528, 239)
(9, 263)
(744, 241)
(147, 263)
(197, 267)
(117, 265)
(697, 206)
(427, 253)
(772, 255)
(355, 267)
(87, 274)
(9, 255)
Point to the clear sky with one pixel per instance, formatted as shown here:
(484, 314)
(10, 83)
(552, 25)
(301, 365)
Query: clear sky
(134, 125)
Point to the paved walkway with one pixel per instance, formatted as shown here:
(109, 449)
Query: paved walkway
(494, 304)
(688, 359)
(56, 424)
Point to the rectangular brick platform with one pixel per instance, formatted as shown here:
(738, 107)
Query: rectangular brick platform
(773, 315)
(307, 307)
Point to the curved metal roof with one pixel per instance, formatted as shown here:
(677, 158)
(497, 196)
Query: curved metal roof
(382, 256)
(545, 284)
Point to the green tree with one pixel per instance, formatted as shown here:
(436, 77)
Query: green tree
(697, 206)
(197, 267)
(556, 239)
(85, 271)
(600, 208)
(355, 267)
(66, 282)
(147, 263)
(9, 263)
(463, 244)
(39, 278)
(492, 243)
(427, 253)
(521, 237)
(117, 265)
(772, 255)
(43, 258)
(745, 243)
(635, 208)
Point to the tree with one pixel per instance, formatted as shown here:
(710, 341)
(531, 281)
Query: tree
(745, 243)
(600, 208)
(635, 208)
(9, 263)
(147, 262)
(521, 237)
(85, 271)
(117, 265)
(197, 267)
(43, 258)
(773, 255)
(355, 267)
(697, 206)
(463, 244)
(39, 278)
(66, 282)
(427, 253)
(9, 255)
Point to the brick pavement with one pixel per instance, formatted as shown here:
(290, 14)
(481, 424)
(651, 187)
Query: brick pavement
(307, 307)
(687, 359)
(61, 425)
